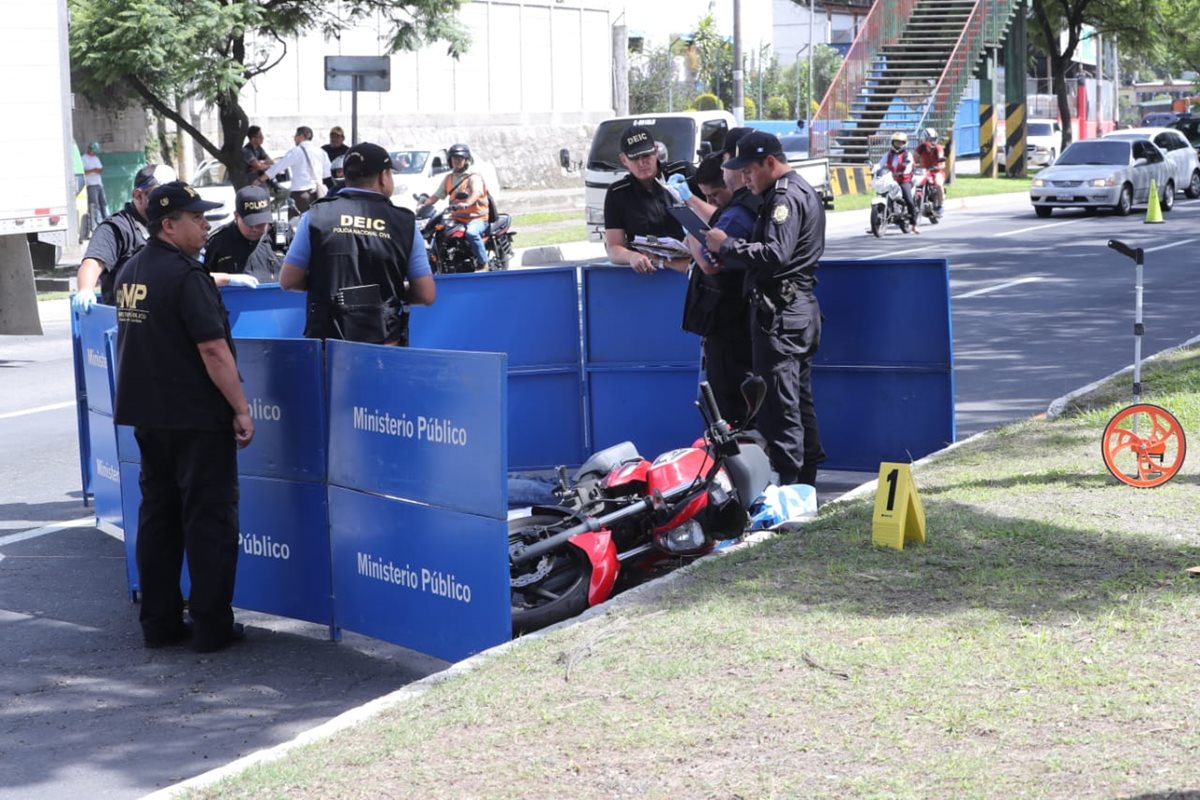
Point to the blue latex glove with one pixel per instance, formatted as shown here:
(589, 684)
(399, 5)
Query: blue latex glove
(679, 184)
(82, 302)
(248, 281)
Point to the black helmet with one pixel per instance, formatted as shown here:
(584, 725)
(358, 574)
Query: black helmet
(459, 150)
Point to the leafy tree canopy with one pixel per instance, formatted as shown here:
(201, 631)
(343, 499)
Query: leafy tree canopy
(162, 50)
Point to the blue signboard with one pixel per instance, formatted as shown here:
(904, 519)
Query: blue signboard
(267, 312)
(97, 371)
(284, 384)
(533, 317)
(283, 549)
(106, 470)
(424, 425)
(421, 577)
(643, 369)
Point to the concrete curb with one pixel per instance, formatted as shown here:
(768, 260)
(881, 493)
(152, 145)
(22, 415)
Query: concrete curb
(1059, 405)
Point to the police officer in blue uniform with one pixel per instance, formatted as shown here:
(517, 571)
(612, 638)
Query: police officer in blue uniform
(178, 386)
(715, 307)
(780, 260)
(360, 259)
(115, 240)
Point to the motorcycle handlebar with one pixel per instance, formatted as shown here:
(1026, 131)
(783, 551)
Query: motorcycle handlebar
(710, 401)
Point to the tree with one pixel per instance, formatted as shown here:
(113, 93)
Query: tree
(1135, 23)
(210, 49)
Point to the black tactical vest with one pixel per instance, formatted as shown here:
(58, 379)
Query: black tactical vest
(357, 239)
(130, 234)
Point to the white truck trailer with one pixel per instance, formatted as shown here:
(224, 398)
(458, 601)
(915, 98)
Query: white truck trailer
(37, 189)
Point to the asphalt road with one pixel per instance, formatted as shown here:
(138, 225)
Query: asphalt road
(1040, 308)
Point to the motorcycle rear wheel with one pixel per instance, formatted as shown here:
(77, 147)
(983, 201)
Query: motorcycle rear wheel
(560, 593)
(877, 221)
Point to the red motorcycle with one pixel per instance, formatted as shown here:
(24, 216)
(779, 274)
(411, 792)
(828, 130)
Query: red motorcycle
(927, 194)
(622, 518)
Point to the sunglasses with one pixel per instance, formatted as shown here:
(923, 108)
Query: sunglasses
(643, 156)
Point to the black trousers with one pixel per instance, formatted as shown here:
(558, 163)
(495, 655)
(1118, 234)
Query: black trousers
(728, 362)
(189, 504)
(784, 344)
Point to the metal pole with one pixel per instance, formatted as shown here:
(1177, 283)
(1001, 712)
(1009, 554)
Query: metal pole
(739, 100)
(354, 111)
(809, 102)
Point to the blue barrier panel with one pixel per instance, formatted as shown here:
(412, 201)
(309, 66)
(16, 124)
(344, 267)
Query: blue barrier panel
(284, 557)
(421, 577)
(131, 498)
(81, 408)
(284, 383)
(883, 380)
(966, 128)
(642, 368)
(106, 470)
(267, 312)
(533, 317)
(97, 372)
(424, 425)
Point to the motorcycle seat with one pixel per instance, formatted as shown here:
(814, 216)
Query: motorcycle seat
(602, 462)
(750, 471)
(502, 222)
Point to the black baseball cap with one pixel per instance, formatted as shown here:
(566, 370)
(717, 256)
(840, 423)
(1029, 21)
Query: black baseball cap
(754, 146)
(175, 196)
(253, 205)
(365, 160)
(637, 141)
(732, 137)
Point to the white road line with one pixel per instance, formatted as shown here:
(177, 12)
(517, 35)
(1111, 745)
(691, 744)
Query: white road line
(895, 253)
(13, 538)
(1039, 227)
(1168, 246)
(37, 410)
(997, 287)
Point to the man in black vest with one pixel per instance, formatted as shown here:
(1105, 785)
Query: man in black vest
(360, 258)
(115, 240)
(178, 386)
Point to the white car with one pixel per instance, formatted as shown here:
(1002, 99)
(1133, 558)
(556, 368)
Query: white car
(1043, 139)
(212, 183)
(1180, 154)
(1104, 173)
(421, 170)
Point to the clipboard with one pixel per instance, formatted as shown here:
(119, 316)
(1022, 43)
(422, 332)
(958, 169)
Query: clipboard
(690, 222)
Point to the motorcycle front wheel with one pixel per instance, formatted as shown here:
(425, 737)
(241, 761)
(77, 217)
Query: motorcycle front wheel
(877, 220)
(551, 588)
(502, 251)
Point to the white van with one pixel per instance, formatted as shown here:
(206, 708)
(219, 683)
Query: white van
(1043, 142)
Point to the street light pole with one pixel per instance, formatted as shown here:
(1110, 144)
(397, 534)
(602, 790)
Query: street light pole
(808, 105)
(739, 102)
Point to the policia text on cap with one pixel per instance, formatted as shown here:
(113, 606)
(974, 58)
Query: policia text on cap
(781, 263)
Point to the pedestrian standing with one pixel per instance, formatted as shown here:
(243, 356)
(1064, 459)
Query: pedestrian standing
(309, 166)
(178, 386)
(93, 168)
(255, 157)
(780, 259)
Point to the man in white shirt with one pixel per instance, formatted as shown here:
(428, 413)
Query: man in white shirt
(309, 166)
(97, 202)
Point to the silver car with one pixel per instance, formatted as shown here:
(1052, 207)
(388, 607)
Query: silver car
(1104, 173)
(1179, 153)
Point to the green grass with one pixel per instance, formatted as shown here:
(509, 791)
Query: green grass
(962, 187)
(535, 237)
(545, 217)
(53, 295)
(1040, 644)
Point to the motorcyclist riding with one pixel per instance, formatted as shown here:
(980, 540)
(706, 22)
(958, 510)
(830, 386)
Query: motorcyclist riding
(932, 157)
(898, 161)
(471, 209)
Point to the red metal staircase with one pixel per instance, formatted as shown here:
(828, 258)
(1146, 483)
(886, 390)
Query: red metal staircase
(907, 70)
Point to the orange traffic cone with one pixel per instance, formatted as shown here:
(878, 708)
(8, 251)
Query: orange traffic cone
(1154, 212)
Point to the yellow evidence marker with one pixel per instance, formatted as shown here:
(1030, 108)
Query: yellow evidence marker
(899, 516)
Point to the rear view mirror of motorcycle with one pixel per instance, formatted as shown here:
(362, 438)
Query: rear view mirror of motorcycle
(754, 390)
